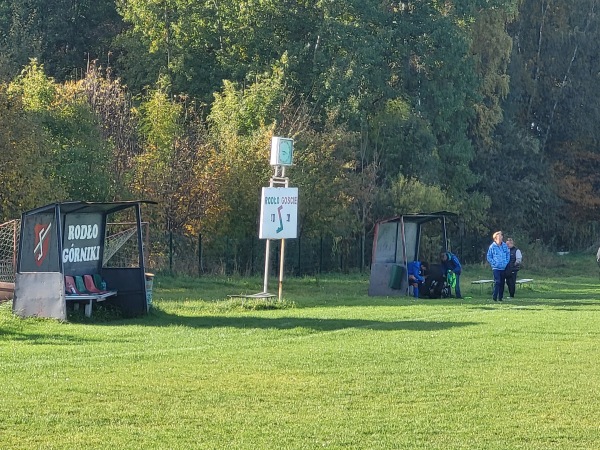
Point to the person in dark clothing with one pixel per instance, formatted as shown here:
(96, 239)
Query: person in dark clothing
(436, 284)
(450, 263)
(514, 264)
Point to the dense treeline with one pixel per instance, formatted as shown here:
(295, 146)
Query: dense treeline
(481, 107)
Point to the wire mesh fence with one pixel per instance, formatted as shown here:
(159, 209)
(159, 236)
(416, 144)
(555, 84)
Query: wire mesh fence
(197, 255)
(180, 254)
(9, 243)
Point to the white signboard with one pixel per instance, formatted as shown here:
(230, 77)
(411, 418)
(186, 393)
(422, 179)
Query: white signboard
(278, 213)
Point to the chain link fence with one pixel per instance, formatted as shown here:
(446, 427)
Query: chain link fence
(194, 256)
(180, 254)
(185, 255)
(9, 243)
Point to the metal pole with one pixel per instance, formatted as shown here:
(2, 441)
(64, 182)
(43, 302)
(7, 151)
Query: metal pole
(146, 244)
(252, 256)
(268, 246)
(199, 254)
(445, 234)
(321, 254)
(282, 256)
(171, 252)
(299, 271)
(281, 260)
(404, 251)
(267, 252)
(15, 249)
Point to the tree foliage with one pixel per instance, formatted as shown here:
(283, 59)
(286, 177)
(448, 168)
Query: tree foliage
(63, 34)
(176, 164)
(241, 123)
(553, 79)
(75, 153)
(481, 107)
(25, 180)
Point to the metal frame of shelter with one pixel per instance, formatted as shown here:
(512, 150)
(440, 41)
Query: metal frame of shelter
(396, 242)
(69, 239)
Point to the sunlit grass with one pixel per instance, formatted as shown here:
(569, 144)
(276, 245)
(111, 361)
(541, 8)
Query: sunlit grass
(329, 367)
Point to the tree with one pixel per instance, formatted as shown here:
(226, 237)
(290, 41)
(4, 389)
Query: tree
(552, 81)
(62, 34)
(114, 107)
(26, 181)
(178, 166)
(173, 38)
(77, 153)
(514, 176)
(241, 123)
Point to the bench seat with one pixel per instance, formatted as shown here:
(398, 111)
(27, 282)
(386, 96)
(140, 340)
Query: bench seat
(519, 282)
(75, 291)
(524, 281)
(481, 283)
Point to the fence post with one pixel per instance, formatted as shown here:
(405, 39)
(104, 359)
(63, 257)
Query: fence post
(361, 252)
(321, 255)
(15, 249)
(199, 254)
(252, 250)
(299, 271)
(171, 252)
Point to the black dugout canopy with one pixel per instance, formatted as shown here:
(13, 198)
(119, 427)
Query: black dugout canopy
(70, 239)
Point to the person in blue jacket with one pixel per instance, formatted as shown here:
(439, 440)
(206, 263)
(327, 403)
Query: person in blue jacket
(451, 264)
(416, 275)
(498, 255)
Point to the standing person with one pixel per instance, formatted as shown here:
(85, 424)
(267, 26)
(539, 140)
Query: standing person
(514, 264)
(498, 256)
(450, 263)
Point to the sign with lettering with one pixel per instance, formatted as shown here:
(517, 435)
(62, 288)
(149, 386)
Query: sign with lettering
(83, 236)
(278, 213)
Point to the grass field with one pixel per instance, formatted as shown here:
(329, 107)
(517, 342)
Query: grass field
(330, 367)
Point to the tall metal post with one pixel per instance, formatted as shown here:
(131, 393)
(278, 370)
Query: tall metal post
(281, 261)
(267, 253)
(278, 179)
(273, 207)
(268, 250)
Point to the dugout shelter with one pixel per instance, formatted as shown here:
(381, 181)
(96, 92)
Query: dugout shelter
(397, 242)
(68, 240)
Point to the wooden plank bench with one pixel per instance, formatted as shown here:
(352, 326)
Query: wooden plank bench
(523, 281)
(7, 290)
(481, 283)
(519, 282)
